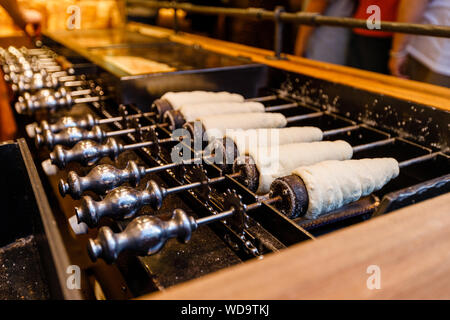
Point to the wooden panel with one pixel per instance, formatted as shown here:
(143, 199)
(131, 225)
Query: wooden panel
(411, 247)
(414, 91)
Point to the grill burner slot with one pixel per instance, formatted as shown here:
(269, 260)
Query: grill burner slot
(325, 122)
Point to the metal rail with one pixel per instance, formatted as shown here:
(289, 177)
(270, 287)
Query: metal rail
(306, 18)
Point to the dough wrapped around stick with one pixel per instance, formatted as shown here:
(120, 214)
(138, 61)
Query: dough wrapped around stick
(280, 160)
(333, 184)
(266, 137)
(217, 126)
(178, 99)
(191, 112)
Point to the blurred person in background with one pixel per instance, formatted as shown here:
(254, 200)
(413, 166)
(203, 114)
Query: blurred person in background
(207, 25)
(369, 49)
(326, 44)
(422, 58)
(27, 20)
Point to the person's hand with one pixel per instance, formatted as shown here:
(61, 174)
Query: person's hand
(33, 21)
(397, 64)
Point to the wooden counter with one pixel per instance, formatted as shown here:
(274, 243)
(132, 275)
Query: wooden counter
(411, 247)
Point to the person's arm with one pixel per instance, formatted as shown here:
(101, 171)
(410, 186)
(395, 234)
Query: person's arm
(22, 17)
(304, 32)
(410, 11)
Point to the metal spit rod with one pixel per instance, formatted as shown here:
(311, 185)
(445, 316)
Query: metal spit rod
(417, 160)
(122, 132)
(119, 118)
(230, 212)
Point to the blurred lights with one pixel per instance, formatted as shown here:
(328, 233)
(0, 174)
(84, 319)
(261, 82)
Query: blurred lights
(169, 13)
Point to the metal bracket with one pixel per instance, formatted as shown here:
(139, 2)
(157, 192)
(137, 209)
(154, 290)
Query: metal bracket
(278, 34)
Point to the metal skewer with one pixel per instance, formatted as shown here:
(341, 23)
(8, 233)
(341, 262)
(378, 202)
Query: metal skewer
(70, 136)
(125, 202)
(85, 122)
(146, 235)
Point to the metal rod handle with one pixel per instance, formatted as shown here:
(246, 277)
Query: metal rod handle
(146, 144)
(417, 160)
(133, 116)
(340, 130)
(304, 117)
(80, 92)
(215, 217)
(281, 107)
(87, 99)
(371, 145)
(262, 99)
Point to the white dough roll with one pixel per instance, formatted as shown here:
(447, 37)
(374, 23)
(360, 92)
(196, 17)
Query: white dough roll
(333, 184)
(191, 112)
(280, 160)
(217, 126)
(246, 139)
(178, 99)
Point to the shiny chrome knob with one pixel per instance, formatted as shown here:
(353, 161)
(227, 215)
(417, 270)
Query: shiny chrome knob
(69, 137)
(86, 122)
(35, 83)
(47, 102)
(86, 152)
(145, 235)
(120, 203)
(101, 179)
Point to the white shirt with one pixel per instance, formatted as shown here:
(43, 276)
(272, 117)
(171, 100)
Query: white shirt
(433, 52)
(328, 43)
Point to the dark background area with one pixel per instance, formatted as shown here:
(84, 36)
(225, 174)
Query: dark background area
(245, 31)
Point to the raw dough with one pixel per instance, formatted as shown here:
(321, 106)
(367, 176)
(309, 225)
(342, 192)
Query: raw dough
(332, 184)
(178, 99)
(191, 112)
(218, 125)
(245, 139)
(279, 160)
